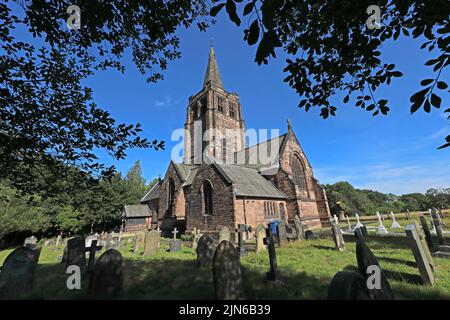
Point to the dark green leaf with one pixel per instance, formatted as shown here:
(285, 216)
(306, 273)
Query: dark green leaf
(215, 10)
(253, 34)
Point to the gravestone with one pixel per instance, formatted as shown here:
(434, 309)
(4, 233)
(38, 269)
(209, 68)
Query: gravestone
(92, 250)
(197, 237)
(348, 223)
(438, 227)
(273, 274)
(427, 232)
(151, 243)
(424, 245)
(36, 248)
(108, 241)
(367, 259)
(227, 275)
(358, 234)
(309, 235)
(241, 249)
(348, 286)
(358, 223)
(336, 219)
(224, 234)
(260, 235)
(106, 280)
(174, 232)
(419, 254)
(337, 237)
(16, 277)
(76, 253)
(205, 251)
(281, 232)
(30, 240)
(58, 240)
(381, 229)
(395, 224)
(140, 241)
(298, 227)
(175, 245)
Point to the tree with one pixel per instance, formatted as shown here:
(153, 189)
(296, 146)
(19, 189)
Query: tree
(335, 51)
(49, 122)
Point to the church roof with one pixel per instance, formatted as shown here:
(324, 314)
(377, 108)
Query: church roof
(248, 182)
(212, 71)
(136, 210)
(153, 193)
(183, 170)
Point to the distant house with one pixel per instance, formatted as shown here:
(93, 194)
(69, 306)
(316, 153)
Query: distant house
(136, 217)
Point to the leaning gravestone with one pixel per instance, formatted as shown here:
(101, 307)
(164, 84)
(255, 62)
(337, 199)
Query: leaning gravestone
(151, 243)
(367, 259)
(106, 280)
(337, 237)
(281, 231)
(438, 226)
(76, 253)
(205, 251)
(419, 254)
(424, 245)
(227, 273)
(224, 234)
(348, 286)
(16, 277)
(260, 235)
(427, 232)
(298, 227)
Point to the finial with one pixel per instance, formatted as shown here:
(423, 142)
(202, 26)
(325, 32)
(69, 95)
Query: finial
(212, 42)
(289, 124)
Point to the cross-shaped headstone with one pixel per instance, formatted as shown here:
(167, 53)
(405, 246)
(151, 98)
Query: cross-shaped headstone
(92, 250)
(274, 274)
(174, 232)
(241, 250)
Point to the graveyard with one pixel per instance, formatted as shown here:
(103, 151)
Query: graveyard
(306, 267)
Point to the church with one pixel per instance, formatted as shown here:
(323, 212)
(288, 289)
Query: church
(223, 182)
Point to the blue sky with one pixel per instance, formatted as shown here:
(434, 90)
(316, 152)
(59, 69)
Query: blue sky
(395, 153)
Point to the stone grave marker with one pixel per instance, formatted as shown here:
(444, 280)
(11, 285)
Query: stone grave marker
(395, 224)
(227, 275)
(205, 251)
(309, 235)
(151, 243)
(348, 286)
(260, 235)
(281, 232)
(175, 232)
(273, 274)
(427, 232)
(36, 248)
(76, 253)
(58, 240)
(92, 249)
(30, 240)
(197, 237)
(424, 245)
(224, 234)
(358, 223)
(438, 228)
(139, 241)
(298, 227)
(419, 254)
(381, 229)
(241, 249)
(348, 223)
(367, 259)
(108, 241)
(337, 237)
(106, 279)
(175, 245)
(16, 277)
(336, 219)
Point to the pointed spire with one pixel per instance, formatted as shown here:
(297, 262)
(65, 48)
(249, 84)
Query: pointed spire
(212, 71)
(289, 125)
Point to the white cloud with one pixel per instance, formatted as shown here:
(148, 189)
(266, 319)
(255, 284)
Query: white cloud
(167, 101)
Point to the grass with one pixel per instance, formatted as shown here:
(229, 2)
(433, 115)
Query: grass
(306, 266)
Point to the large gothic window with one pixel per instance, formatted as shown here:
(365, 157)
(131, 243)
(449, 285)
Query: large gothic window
(207, 197)
(298, 172)
(232, 111)
(171, 192)
(220, 104)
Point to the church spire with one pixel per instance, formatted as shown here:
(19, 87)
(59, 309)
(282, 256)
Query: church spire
(212, 71)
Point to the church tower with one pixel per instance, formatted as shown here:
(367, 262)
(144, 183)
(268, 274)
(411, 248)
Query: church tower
(214, 128)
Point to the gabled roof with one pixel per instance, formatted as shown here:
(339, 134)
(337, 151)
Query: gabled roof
(248, 182)
(153, 193)
(136, 210)
(183, 169)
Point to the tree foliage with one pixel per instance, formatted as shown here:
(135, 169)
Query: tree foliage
(334, 51)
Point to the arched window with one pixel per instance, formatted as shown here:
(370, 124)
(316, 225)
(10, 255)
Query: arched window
(171, 192)
(207, 197)
(224, 150)
(298, 172)
(220, 104)
(231, 110)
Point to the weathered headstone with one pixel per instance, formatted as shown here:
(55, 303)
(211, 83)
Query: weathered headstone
(205, 251)
(16, 277)
(241, 249)
(348, 223)
(224, 234)
(260, 235)
(298, 227)
(336, 219)
(395, 224)
(30, 240)
(108, 241)
(348, 286)
(381, 229)
(139, 241)
(174, 232)
(58, 240)
(424, 245)
(273, 274)
(175, 245)
(427, 232)
(281, 232)
(419, 254)
(309, 235)
(106, 280)
(76, 252)
(367, 259)
(227, 273)
(197, 237)
(151, 243)
(358, 223)
(92, 249)
(337, 237)
(438, 227)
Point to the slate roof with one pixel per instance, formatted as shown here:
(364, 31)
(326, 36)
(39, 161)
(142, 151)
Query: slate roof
(136, 210)
(248, 182)
(183, 169)
(153, 193)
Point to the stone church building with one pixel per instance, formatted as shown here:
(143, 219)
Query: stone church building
(222, 182)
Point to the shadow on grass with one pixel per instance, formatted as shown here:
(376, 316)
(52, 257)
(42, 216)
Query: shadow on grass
(323, 247)
(400, 261)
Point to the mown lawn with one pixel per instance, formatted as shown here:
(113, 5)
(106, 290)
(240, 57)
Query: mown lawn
(307, 267)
